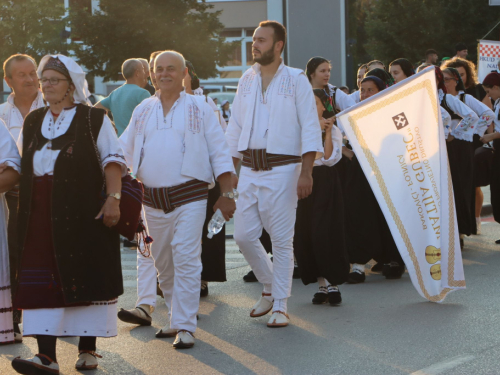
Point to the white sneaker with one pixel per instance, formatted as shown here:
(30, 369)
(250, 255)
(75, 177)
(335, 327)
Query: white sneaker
(184, 340)
(39, 364)
(87, 360)
(278, 319)
(262, 307)
(478, 225)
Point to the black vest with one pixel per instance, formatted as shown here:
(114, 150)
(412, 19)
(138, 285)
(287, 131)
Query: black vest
(86, 251)
(444, 104)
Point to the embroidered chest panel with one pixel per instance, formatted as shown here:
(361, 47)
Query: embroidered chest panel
(286, 86)
(194, 118)
(246, 83)
(141, 120)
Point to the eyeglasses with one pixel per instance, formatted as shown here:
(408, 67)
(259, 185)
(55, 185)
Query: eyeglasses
(52, 81)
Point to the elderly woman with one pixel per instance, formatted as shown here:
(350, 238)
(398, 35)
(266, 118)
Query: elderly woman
(69, 276)
(10, 166)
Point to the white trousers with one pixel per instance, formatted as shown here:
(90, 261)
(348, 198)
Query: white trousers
(268, 199)
(176, 251)
(146, 281)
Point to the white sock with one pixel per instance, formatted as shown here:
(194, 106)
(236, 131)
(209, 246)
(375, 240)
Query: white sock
(268, 288)
(280, 305)
(322, 281)
(333, 288)
(358, 268)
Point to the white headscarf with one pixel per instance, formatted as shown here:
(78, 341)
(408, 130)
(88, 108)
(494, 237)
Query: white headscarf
(77, 76)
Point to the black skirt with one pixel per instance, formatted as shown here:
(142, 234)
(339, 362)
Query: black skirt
(367, 233)
(319, 240)
(213, 251)
(461, 158)
(495, 181)
(483, 157)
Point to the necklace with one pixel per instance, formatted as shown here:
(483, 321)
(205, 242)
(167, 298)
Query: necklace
(53, 126)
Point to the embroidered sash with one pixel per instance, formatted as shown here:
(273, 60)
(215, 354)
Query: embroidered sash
(168, 199)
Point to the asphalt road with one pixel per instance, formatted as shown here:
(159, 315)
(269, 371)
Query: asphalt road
(382, 327)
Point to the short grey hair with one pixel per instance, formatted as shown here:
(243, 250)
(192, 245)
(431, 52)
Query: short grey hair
(129, 67)
(7, 65)
(173, 53)
(143, 61)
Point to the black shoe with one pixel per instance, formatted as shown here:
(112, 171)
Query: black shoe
(296, 272)
(250, 277)
(393, 270)
(356, 277)
(131, 244)
(204, 289)
(497, 242)
(321, 296)
(377, 268)
(334, 296)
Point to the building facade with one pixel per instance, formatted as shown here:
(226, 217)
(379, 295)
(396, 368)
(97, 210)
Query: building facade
(315, 28)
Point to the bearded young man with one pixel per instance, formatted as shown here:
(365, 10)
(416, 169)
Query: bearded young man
(275, 133)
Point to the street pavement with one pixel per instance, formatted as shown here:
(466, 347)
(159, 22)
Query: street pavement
(382, 327)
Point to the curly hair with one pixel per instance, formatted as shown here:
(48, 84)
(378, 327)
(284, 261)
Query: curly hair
(469, 67)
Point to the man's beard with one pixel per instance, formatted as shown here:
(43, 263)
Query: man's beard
(266, 57)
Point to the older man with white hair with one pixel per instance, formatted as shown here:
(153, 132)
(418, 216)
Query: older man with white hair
(20, 74)
(122, 101)
(175, 145)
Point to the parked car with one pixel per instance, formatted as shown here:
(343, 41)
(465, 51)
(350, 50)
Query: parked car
(221, 96)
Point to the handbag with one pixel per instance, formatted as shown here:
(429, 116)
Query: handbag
(130, 224)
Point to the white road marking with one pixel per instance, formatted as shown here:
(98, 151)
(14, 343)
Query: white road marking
(439, 368)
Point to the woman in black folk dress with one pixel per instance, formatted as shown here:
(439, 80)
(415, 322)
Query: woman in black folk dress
(319, 241)
(368, 235)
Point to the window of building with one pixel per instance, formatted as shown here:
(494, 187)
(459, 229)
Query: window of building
(240, 58)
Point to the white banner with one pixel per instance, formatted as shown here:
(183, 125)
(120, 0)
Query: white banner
(487, 58)
(397, 136)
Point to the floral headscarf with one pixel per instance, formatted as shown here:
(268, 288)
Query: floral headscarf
(460, 84)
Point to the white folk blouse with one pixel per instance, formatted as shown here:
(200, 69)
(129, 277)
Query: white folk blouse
(107, 143)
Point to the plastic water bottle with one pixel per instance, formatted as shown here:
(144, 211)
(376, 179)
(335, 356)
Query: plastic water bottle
(216, 223)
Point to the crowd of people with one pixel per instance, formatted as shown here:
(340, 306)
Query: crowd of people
(302, 194)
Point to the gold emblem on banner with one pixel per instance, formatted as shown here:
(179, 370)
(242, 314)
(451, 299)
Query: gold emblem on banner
(432, 254)
(436, 272)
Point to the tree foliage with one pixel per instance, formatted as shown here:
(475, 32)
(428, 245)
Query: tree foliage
(407, 28)
(33, 27)
(130, 28)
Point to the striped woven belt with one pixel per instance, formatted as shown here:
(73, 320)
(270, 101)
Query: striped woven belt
(168, 199)
(260, 160)
(14, 192)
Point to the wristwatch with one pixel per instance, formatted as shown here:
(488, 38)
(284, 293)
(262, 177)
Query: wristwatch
(117, 196)
(229, 195)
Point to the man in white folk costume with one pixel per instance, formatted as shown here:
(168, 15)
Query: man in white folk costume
(274, 131)
(146, 271)
(20, 75)
(175, 145)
